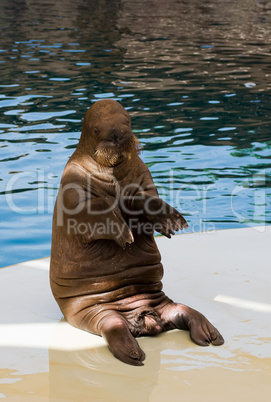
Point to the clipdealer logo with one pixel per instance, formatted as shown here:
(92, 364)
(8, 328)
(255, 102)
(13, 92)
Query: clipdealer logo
(189, 199)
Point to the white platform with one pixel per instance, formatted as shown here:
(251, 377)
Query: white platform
(226, 275)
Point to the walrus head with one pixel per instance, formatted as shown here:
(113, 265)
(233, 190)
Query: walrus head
(107, 134)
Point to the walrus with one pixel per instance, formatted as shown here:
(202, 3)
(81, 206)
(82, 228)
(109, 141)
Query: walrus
(105, 269)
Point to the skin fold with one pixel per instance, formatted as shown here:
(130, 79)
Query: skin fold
(105, 269)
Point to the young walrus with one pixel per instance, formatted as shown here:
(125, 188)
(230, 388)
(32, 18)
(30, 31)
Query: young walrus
(105, 268)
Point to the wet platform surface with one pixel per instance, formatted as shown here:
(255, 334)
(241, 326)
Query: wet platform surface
(226, 275)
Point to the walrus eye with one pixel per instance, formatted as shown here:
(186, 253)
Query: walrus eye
(95, 130)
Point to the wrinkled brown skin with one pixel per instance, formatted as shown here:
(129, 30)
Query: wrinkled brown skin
(106, 284)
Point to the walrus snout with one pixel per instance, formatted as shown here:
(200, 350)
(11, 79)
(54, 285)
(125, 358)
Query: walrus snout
(119, 138)
(116, 144)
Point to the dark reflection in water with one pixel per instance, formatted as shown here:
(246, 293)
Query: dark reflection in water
(195, 77)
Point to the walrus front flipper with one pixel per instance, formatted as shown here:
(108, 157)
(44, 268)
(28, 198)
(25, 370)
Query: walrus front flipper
(202, 332)
(105, 221)
(91, 217)
(164, 218)
(114, 329)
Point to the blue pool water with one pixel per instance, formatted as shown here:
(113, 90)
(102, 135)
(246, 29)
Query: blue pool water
(195, 77)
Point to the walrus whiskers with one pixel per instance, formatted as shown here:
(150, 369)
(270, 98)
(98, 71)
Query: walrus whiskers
(108, 156)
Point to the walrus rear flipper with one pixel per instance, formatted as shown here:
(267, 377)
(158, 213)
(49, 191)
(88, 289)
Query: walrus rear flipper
(114, 329)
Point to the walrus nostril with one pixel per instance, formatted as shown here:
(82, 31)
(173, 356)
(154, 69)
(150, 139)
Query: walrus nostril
(122, 140)
(117, 137)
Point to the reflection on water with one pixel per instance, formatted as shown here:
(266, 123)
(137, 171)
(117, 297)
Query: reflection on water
(195, 77)
(171, 364)
(172, 367)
